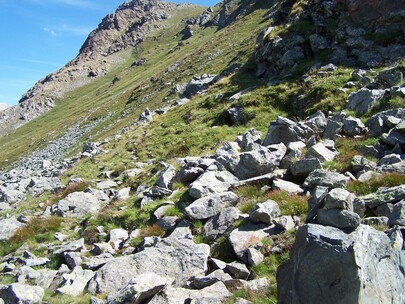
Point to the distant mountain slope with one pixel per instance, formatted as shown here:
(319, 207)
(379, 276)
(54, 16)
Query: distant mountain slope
(106, 47)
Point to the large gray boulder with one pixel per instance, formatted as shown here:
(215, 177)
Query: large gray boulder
(77, 204)
(285, 131)
(211, 182)
(18, 293)
(228, 155)
(260, 161)
(176, 256)
(326, 178)
(8, 227)
(338, 218)
(139, 289)
(303, 167)
(329, 264)
(211, 205)
(216, 293)
(222, 223)
(364, 100)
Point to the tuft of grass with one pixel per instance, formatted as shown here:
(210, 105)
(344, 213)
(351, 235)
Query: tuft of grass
(51, 297)
(348, 148)
(290, 204)
(74, 187)
(385, 180)
(37, 230)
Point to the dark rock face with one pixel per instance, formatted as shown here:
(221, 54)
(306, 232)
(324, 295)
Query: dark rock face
(331, 266)
(355, 33)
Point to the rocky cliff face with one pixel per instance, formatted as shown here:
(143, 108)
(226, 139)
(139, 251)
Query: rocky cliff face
(106, 47)
(353, 33)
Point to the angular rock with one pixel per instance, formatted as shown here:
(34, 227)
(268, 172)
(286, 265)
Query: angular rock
(397, 216)
(259, 180)
(73, 284)
(106, 185)
(353, 126)
(8, 227)
(228, 155)
(26, 273)
(320, 152)
(18, 293)
(339, 218)
(212, 182)
(286, 131)
(364, 100)
(118, 237)
(210, 279)
(282, 185)
(284, 222)
(265, 212)
(301, 168)
(216, 293)
(211, 205)
(123, 194)
(165, 178)
(186, 259)
(221, 223)
(339, 198)
(325, 261)
(250, 138)
(390, 159)
(326, 178)
(140, 288)
(238, 270)
(254, 256)
(249, 235)
(73, 259)
(70, 246)
(77, 204)
(384, 196)
(188, 173)
(260, 161)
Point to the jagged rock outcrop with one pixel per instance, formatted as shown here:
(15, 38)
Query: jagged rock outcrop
(352, 33)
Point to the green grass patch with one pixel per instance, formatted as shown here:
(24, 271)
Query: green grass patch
(377, 181)
(37, 230)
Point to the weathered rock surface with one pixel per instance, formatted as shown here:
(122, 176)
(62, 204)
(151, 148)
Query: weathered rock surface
(18, 293)
(326, 261)
(77, 204)
(211, 205)
(182, 257)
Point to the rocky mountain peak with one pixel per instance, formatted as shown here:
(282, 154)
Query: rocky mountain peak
(126, 27)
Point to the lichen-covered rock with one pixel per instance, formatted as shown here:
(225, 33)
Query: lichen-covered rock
(18, 293)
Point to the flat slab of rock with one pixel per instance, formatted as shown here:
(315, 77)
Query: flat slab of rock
(211, 205)
(262, 179)
(282, 185)
(384, 196)
(105, 185)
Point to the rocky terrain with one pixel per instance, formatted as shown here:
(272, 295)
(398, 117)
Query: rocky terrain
(279, 190)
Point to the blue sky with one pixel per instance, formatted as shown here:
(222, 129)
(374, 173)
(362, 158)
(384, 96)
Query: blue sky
(40, 36)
